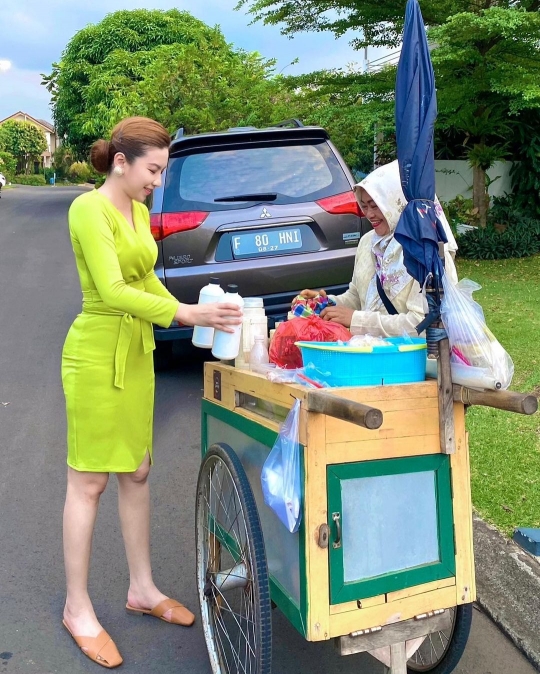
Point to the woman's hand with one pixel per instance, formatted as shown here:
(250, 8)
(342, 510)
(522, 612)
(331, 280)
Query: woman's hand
(312, 294)
(221, 316)
(338, 314)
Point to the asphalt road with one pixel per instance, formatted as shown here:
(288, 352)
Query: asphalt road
(39, 297)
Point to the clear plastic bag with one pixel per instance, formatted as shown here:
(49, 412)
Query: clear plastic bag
(472, 342)
(308, 376)
(280, 476)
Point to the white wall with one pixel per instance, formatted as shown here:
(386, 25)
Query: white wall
(455, 177)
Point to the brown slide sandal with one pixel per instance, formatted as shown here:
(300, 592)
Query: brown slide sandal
(180, 614)
(100, 649)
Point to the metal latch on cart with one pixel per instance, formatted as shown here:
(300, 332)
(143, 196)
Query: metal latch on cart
(336, 518)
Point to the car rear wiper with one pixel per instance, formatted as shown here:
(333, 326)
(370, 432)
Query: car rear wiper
(265, 196)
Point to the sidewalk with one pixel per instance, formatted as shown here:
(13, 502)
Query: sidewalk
(508, 587)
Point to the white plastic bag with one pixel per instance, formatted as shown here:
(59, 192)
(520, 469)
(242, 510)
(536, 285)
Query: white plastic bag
(280, 476)
(472, 342)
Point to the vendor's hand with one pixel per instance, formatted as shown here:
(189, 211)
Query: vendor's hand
(221, 316)
(338, 314)
(312, 294)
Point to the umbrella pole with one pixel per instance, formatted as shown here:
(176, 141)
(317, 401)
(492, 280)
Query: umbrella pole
(446, 399)
(440, 349)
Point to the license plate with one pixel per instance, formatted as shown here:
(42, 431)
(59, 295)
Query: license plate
(263, 243)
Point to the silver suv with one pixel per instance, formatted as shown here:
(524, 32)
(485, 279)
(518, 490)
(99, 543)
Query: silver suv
(271, 210)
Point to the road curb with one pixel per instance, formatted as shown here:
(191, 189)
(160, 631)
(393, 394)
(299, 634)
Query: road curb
(508, 588)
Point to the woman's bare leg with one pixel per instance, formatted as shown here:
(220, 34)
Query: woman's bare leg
(134, 509)
(80, 511)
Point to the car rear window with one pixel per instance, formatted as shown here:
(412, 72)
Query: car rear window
(296, 172)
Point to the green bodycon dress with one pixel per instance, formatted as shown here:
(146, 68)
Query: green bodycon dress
(107, 363)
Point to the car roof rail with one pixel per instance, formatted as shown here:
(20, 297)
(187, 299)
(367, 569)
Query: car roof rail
(289, 122)
(242, 128)
(179, 133)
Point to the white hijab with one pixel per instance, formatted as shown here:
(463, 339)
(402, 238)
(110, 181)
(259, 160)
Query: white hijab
(384, 186)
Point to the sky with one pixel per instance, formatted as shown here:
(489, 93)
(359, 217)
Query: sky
(33, 35)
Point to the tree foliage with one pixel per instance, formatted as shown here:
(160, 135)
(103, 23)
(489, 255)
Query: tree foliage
(376, 22)
(166, 65)
(485, 56)
(354, 108)
(8, 165)
(24, 141)
(103, 59)
(488, 72)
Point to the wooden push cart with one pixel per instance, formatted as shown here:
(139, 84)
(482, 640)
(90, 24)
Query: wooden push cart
(383, 561)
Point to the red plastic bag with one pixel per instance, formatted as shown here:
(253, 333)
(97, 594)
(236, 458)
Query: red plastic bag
(285, 354)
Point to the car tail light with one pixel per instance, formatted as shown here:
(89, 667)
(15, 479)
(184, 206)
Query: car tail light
(165, 224)
(341, 203)
(155, 226)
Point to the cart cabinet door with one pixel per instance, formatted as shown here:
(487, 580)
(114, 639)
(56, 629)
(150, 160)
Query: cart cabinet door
(391, 525)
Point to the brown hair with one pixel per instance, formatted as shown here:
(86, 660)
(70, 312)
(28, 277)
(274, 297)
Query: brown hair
(132, 136)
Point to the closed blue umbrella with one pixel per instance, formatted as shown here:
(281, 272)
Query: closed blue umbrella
(419, 230)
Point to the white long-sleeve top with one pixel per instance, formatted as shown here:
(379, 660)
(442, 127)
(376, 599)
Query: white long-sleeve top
(408, 302)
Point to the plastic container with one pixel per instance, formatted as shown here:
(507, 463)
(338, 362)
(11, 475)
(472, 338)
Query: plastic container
(213, 292)
(254, 323)
(259, 353)
(403, 361)
(227, 344)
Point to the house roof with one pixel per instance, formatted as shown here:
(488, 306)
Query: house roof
(46, 125)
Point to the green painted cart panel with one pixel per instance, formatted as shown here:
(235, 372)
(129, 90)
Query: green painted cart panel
(396, 525)
(285, 552)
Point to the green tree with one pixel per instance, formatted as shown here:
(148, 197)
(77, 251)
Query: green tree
(355, 109)
(62, 159)
(24, 141)
(200, 87)
(167, 65)
(485, 57)
(487, 69)
(8, 165)
(376, 22)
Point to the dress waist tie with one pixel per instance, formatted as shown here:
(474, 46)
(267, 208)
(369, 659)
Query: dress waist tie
(93, 305)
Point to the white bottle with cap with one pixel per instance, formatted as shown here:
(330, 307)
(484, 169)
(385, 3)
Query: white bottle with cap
(226, 344)
(213, 292)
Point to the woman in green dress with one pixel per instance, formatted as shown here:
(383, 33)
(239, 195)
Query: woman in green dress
(108, 374)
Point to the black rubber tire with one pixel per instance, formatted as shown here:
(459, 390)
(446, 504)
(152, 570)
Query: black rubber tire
(456, 645)
(261, 585)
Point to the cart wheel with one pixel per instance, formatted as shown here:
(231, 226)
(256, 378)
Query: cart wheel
(441, 651)
(232, 576)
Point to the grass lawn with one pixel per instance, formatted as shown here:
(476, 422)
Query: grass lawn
(505, 447)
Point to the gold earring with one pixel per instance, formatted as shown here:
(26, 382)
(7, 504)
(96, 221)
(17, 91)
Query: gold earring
(118, 171)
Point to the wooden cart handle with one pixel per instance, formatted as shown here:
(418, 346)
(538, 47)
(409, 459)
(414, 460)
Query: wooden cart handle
(346, 410)
(510, 401)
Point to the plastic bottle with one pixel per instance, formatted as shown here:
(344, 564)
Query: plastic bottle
(226, 344)
(213, 292)
(259, 353)
(254, 323)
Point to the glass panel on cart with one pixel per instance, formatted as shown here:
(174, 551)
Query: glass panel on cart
(389, 524)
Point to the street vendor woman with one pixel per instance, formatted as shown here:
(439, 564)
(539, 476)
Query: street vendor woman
(394, 306)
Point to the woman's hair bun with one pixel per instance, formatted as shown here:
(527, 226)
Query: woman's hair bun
(99, 155)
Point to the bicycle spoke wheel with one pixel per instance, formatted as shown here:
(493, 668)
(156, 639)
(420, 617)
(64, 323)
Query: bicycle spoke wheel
(232, 575)
(441, 651)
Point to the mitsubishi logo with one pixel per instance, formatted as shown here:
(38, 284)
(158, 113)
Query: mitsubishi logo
(265, 214)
